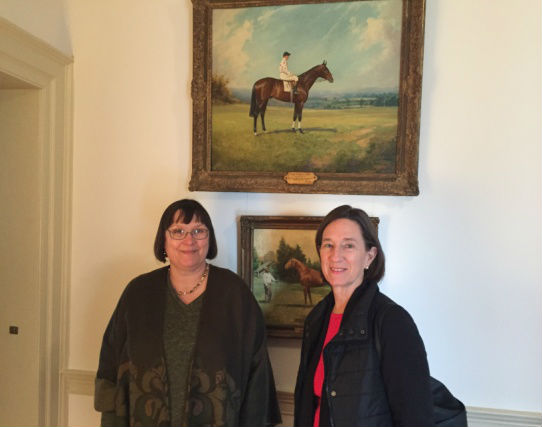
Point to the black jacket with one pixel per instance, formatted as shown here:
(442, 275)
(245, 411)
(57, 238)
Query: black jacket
(231, 381)
(360, 388)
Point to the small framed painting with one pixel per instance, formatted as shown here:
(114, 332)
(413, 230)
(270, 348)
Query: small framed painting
(279, 261)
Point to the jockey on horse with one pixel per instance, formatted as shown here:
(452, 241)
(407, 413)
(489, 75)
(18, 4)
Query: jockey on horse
(287, 76)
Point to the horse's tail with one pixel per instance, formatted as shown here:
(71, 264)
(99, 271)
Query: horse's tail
(254, 111)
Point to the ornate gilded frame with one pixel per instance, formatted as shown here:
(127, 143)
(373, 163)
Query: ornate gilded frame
(403, 182)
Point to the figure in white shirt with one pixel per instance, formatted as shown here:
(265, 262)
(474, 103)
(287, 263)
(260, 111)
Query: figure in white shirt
(286, 75)
(268, 279)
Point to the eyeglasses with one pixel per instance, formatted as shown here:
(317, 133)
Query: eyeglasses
(180, 234)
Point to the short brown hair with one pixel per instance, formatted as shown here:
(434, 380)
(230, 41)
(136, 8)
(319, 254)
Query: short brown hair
(368, 233)
(188, 209)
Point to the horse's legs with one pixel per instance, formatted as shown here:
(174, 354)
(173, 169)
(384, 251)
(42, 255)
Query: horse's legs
(305, 289)
(309, 294)
(260, 108)
(298, 110)
(263, 122)
(262, 114)
(255, 124)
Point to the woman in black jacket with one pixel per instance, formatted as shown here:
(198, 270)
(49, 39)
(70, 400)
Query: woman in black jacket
(345, 377)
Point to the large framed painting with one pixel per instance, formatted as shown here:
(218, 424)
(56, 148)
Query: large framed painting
(278, 260)
(350, 123)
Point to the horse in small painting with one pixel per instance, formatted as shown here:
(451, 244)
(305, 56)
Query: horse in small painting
(268, 87)
(308, 277)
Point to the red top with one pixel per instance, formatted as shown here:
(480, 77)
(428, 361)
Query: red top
(332, 329)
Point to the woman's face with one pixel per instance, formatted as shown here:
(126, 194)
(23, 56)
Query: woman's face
(189, 253)
(343, 256)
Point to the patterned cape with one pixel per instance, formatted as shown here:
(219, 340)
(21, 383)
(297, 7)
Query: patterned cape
(231, 381)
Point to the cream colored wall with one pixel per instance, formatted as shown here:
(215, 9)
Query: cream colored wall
(45, 20)
(81, 413)
(464, 257)
(20, 159)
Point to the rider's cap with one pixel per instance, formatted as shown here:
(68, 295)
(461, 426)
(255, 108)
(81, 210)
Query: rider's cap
(286, 53)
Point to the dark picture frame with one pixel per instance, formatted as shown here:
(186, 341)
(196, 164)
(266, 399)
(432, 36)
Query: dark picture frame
(268, 243)
(401, 179)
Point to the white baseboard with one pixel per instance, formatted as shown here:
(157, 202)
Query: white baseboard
(489, 417)
(286, 403)
(76, 381)
(82, 382)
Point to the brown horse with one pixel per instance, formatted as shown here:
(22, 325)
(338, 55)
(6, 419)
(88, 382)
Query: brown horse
(268, 87)
(308, 277)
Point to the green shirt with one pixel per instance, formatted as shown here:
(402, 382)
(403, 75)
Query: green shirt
(180, 332)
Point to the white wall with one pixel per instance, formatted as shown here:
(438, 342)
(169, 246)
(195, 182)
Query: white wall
(464, 257)
(45, 20)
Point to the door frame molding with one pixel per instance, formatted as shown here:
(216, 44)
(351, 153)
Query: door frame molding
(30, 60)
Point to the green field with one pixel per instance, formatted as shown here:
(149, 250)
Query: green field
(350, 140)
(287, 307)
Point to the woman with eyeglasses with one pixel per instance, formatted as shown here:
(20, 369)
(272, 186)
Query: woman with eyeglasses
(186, 343)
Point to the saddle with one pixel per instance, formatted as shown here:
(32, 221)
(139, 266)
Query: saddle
(289, 88)
(288, 85)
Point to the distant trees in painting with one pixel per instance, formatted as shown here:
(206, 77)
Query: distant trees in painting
(220, 93)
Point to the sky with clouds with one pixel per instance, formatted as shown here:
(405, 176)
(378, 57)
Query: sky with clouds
(360, 41)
